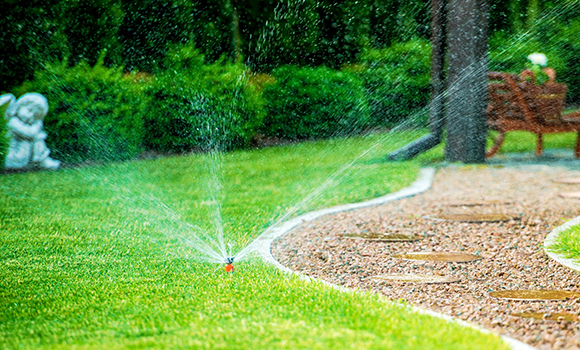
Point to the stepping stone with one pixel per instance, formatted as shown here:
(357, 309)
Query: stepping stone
(569, 180)
(570, 194)
(478, 203)
(494, 217)
(534, 294)
(383, 237)
(560, 316)
(414, 278)
(439, 256)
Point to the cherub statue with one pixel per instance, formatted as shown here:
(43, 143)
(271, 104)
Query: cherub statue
(27, 147)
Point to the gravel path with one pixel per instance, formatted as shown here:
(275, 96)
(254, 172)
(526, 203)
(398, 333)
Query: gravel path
(513, 257)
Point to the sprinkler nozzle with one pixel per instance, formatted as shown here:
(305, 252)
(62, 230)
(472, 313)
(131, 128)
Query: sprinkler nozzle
(229, 264)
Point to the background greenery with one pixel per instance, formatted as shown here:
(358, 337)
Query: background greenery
(193, 75)
(310, 103)
(94, 112)
(396, 81)
(263, 33)
(4, 142)
(197, 106)
(92, 257)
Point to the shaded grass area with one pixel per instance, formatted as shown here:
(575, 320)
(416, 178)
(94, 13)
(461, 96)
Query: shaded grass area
(514, 142)
(94, 257)
(522, 141)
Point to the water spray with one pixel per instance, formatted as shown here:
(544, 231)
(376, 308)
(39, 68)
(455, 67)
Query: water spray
(229, 264)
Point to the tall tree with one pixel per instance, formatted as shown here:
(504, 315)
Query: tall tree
(467, 81)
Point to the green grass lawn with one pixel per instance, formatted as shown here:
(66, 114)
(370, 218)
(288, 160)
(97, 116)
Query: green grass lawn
(522, 141)
(94, 257)
(567, 244)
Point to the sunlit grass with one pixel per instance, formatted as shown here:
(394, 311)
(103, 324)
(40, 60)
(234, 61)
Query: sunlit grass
(522, 141)
(90, 260)
(567, 244)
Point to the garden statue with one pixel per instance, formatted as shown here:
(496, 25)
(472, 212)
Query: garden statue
(24, 121)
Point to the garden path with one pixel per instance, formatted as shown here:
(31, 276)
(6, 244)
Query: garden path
(512, 251)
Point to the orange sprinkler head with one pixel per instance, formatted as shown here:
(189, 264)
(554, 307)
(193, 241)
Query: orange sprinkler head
(230, 264)
(229, 268)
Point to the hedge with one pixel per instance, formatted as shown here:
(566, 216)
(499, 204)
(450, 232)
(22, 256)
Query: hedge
(94, 112)
(310, 103)
(396, 80)
(197, 106)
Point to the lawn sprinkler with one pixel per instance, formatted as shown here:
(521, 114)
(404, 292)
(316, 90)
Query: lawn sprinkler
(230, 264)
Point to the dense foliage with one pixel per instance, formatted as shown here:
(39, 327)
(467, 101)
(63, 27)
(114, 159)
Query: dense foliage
(264, 33)
(376, 51)
(4, 142)
(200, 106)
(396, 80)
(314, 103)
(95, 113)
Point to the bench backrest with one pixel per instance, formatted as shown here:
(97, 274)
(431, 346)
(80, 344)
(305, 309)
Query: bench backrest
(514, 97)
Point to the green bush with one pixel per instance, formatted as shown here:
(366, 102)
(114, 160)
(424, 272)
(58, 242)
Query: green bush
(344, 29)
(396, 80)
(196, 106)
(568, 45)
(94, 113)
(393, 21)
(3, 136)
(307, 103)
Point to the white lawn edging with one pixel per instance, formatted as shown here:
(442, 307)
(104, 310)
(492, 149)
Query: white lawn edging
(422, 184)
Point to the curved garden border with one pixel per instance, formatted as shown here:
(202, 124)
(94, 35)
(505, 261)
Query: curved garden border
(422, 184)
(551, 239)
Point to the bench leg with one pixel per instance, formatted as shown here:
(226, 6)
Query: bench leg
(577, 149)
(496, 143)
(539, 145)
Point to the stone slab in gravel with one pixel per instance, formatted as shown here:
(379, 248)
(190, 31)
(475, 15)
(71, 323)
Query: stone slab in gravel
(512, 251)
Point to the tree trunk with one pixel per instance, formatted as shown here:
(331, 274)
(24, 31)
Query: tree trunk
(236, 36)
(467, 81)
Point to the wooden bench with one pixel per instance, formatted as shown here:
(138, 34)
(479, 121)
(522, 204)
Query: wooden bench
(517, 103)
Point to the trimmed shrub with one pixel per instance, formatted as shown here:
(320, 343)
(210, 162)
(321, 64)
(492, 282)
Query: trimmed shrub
(94, 114)
(3, 136)
(201, 107)
(311, 103)
(396, 80)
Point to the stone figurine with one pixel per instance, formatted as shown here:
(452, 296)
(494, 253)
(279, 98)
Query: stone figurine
(25, 122)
